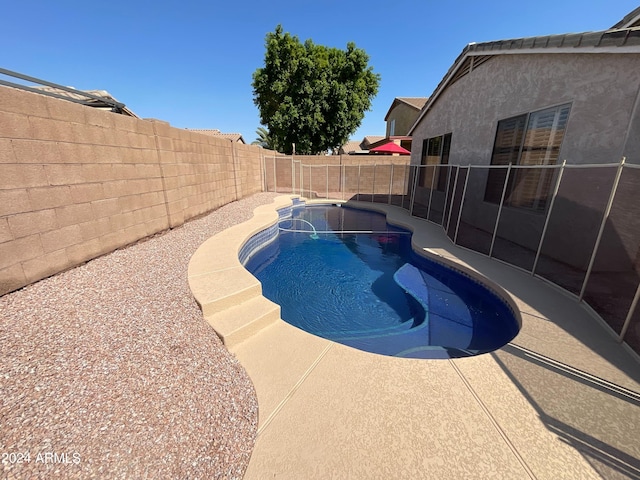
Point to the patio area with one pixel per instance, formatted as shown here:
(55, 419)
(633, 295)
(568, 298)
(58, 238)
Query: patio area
(112, 361)
(560, 401)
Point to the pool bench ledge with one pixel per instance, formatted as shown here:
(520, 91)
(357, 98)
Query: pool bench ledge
(423, 244)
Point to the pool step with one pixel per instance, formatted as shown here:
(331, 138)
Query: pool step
(370, 333)
(235, 324)
(220, 290)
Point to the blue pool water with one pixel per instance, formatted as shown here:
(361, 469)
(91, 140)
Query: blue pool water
(369, 290)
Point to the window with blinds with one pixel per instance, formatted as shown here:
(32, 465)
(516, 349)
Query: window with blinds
(435, 151)
(530, 139)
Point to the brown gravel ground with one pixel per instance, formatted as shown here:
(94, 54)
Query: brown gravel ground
(109, 370)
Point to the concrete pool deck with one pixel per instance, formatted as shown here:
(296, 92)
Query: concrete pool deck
(560, 401)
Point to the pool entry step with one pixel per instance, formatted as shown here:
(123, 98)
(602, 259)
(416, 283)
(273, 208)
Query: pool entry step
(240, 322)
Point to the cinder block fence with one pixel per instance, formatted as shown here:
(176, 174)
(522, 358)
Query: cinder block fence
(77, 182)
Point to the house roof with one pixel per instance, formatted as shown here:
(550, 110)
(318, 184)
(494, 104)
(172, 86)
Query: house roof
(414, 102)
(369, 139)
(91, 98)
(362, 146)
(618, 40)
(234, 137)
(351, 146)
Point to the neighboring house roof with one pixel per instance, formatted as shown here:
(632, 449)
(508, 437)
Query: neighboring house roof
(86, 100)
(414, 102)
(351, 146)
(624, 40)
(363, 146)
(369, 139)
(234, 137)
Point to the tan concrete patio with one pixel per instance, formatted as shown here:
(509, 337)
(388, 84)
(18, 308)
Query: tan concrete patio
(560, 401)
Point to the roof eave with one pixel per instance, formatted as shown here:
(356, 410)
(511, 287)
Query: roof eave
(487, 49)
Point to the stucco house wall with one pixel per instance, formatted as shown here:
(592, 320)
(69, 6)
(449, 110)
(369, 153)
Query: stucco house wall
(603, 90)
(405, 116)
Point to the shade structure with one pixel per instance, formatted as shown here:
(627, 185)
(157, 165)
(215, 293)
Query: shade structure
(390, 147)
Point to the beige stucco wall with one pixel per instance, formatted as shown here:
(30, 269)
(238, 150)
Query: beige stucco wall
(404, 115)
(601, 87)
(603, 92)
(77, 182)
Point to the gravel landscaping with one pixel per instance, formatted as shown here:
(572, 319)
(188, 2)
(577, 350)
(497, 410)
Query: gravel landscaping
(109, 370)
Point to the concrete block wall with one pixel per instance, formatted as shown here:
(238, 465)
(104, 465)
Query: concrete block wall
(249, 169)
(77, 182)
(348, 171)
(198, 172)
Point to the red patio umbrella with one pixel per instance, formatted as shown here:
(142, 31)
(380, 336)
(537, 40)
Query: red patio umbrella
(391, 148)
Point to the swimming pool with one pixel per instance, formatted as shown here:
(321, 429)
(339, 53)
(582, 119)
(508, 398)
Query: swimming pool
(347, 275)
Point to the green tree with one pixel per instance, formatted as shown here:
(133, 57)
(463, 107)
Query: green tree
(312, 95)
(264, 138)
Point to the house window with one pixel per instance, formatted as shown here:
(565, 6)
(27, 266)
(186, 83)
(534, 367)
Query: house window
(392, 128)
(435, 151)
(530, 139)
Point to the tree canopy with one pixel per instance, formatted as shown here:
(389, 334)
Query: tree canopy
(312, 95)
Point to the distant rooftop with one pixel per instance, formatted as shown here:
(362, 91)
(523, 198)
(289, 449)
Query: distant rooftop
(234, 137)
(414, 102)
(91, 102)
(351, 146)
(361, 146)
(369, 139)
(417, 102)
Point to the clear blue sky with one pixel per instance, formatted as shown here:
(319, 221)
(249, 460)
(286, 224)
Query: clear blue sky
(190, 62)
